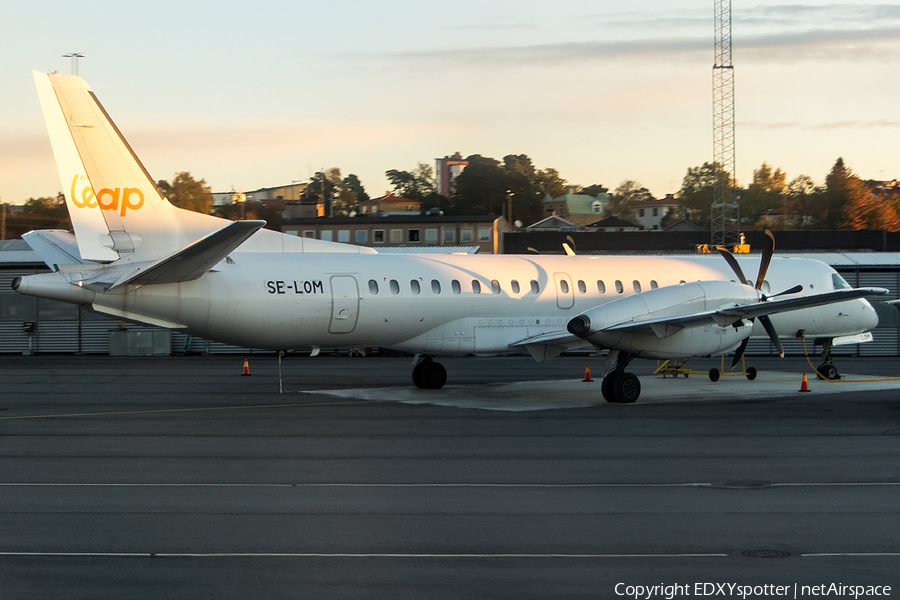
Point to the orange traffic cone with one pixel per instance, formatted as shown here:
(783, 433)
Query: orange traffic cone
(587, 374)
(804, 386)
(246, 368)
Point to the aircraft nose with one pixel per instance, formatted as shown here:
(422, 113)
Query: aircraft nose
(869, 316)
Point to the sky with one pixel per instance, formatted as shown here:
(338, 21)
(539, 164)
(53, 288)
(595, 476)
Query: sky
(249, 95)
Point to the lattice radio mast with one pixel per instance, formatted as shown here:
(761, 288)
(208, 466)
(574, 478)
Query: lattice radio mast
(725, 220)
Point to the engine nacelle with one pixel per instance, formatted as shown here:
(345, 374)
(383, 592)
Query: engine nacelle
(667, 341)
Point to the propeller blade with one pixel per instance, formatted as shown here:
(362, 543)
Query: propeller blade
(740, 352)
(767, 253)
(732, 262)
(571, 243)
(773, 335)
(793, 290)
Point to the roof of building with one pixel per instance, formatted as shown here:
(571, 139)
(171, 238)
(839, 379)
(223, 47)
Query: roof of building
(554, 222)
(613, 221)
(390, 197)
(667, 201)
(372, 221)
(578, 204)
(683, 225)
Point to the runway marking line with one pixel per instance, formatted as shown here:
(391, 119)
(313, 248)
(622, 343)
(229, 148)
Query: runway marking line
(346, 555)
(444, 485)
(202, 409)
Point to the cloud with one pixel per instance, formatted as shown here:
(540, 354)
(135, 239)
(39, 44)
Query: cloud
(835, 125)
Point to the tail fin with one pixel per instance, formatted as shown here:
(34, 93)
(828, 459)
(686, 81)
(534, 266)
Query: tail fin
(115, 207)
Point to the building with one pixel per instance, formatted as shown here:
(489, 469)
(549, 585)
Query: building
(612, 224)
(415, 230)
(649, 214)
(577, 208)
(446, 170)
(388, 204)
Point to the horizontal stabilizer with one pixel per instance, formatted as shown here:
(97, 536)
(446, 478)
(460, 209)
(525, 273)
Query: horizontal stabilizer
(195, 260)
(55, 247)
(725, 316)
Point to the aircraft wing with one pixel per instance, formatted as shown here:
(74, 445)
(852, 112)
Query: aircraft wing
(666, 326)
(193, 261)
(548, 345)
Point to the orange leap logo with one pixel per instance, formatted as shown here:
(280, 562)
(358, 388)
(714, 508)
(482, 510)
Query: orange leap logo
(120, 199)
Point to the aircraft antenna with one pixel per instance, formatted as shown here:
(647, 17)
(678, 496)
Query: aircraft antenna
(725, 219)
(74, 56)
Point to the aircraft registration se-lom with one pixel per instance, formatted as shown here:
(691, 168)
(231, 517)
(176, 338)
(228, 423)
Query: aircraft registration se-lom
(136, 257)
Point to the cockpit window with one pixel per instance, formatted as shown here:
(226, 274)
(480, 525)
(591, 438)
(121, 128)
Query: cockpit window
(839, 282)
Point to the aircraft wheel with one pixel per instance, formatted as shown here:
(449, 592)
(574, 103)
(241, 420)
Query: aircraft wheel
(713, 375)
(751, 373)
(627, 388)
(828, 371)
(606, 387)
(417, 375)
(434, 375)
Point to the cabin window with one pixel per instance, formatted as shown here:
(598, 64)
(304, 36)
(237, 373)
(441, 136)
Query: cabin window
(495, 286)
(515, 286)
(637, 286)
(378, 236)
(414, 286)
(653, 284)
(362, 236)
(395, 286)
(601, 287)
(582, 287)
(476, 286)
(619, 287)
(454, 285)
(373, 287)
(535, 288)
(435, 286)
(564, 286)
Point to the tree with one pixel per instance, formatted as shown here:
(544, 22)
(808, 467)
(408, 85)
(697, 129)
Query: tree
(764, 194)
(188, 193)
(339, 198)
(354, 185)
(697, 192)
(624, 200)
(592, 190)
(251, 210)
(801, 200)
(481, 188)
(38, 213)
(416, 184)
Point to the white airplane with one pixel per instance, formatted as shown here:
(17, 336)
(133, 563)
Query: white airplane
(135, 256)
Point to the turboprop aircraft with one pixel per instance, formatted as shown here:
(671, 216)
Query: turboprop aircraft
(135, 256)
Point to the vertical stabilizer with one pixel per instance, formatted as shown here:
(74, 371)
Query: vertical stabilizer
(115, 206)
(87, 219)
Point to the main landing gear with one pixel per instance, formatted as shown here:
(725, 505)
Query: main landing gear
(827, 370)
(429, 375)
(618, 386)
